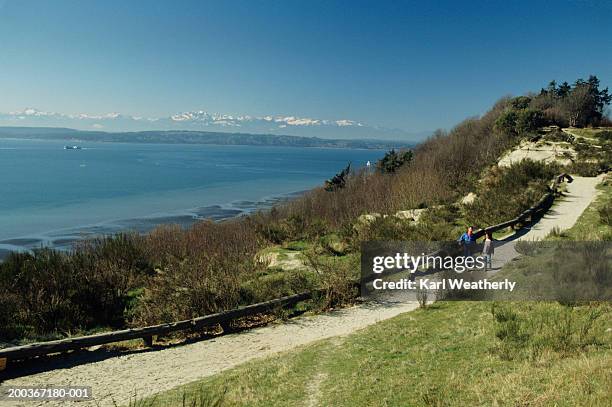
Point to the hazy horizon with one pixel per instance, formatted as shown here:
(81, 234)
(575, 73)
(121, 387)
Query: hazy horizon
(210, 122)
(333, 70)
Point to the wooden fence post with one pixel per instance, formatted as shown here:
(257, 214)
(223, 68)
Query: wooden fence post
(225, 326)
(148, 340)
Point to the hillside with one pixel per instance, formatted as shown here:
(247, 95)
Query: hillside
(457, 352)
(313, 360)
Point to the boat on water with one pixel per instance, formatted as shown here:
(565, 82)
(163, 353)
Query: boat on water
(73, 148)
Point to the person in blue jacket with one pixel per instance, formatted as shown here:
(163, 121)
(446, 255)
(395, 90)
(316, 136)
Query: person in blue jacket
(467, 240)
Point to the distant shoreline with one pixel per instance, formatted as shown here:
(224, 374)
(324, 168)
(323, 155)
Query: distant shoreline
(194, 137)
(70, 142)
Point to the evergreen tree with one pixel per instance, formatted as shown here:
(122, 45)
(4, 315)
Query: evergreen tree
(581, 104)
(394, 160)
(564, 90)
(339, 180)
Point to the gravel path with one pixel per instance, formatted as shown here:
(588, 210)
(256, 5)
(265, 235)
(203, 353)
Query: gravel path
(566, 210)
(117, 379)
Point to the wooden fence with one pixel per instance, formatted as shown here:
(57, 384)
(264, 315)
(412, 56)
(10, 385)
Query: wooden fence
(536, 210)
(147, 333)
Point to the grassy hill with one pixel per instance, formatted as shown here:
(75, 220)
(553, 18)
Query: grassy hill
(447, 354)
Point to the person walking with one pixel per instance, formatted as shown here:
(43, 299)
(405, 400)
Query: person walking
(467, 241)
(488, 249)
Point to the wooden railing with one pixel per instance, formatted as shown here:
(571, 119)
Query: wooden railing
(147, 333)
(535, 210)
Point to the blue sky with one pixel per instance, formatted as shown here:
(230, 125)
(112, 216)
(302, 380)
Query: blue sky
(410, 65)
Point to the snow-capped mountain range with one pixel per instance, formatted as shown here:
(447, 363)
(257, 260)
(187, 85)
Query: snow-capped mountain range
(206, 121)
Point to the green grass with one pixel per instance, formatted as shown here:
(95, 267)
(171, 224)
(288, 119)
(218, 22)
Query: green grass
(447, 354)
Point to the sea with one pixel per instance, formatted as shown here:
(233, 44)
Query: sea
(52, 196)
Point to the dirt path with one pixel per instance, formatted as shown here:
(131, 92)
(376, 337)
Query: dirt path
(566, 210)
(117, 379)
(563, 215)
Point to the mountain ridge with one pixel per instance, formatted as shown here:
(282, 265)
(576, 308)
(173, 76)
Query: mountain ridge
(200, 120)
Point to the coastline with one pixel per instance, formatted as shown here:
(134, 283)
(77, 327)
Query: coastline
(64, 239)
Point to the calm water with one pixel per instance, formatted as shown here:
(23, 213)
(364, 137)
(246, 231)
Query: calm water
(52, 196)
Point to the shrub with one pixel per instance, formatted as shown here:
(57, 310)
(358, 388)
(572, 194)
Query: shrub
(199, 272)
(520, 102)
(276, 284)
(528, 121)
(585, 168)
(529, 331)
(422, 296)
(393, 160)
(605, 136)
(113, 281)
(560, 136)
(336, 278)
(506, 123)
(11, 323)
(506, 192)
(53, 292)
(438, 224)
(605, 213)
(190, 288)
(386, 228)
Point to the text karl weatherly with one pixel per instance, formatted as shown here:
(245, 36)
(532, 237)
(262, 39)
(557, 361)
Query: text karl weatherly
(444, 284)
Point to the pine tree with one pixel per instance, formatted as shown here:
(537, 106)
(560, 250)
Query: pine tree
(339, 180)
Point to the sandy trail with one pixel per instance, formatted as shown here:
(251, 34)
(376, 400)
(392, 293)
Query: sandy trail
(567, 209)
(563, 215)
(117, 379)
